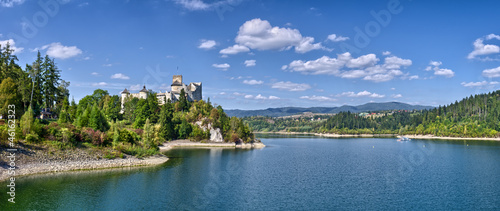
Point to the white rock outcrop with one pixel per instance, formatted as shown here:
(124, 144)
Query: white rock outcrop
(215, 135)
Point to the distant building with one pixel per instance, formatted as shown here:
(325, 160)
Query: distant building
(193, 92)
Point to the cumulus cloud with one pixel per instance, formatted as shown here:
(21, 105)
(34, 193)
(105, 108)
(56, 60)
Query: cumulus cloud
(492, 73)
(94, 73)
(11, 3)
(253, 82)
(59, 51)
(260, 35)
(479, 84)
(318, 98)
(337, 38)
(289, 86)
(13, 47)
(386, 53)
(481, 49)
(261, 97)
(100, 84)
(200, 5)
(222, 67)
(344, 65)
(250, 63)
(207, 44)
(120, 76)
(235, 49)
(360, 94)
(397, 96)
(434, 65)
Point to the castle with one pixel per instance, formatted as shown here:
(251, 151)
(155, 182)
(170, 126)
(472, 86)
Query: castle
(193, 92)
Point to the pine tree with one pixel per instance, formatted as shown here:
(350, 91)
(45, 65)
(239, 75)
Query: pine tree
(166, 124)
(148, 135)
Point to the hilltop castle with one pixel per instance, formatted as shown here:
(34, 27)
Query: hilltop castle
(193, 92)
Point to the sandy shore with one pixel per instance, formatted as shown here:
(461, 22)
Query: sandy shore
(381, 135)
(189, 144)
(449, 138)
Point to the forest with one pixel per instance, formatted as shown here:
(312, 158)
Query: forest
(96, 121)
(473, 116)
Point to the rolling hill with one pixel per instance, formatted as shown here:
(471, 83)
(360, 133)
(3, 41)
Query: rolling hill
(286, 111)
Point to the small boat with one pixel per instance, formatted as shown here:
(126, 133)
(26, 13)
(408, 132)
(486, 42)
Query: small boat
(403, 138)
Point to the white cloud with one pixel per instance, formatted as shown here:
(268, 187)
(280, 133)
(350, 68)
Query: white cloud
(307, 44)
(12, 44)
(222, 93)
(394, 62)
(335, 38)
(222, 67)
(238, 94)
(386, 53)
(397, 96)
(360, 94)
(345, 66)
(250, 63)
(261, 97)
(200, 5)
(207, 44)
(481, 49)
(86, 58)
(260, 35)
(434, 65)
(478, 84)
(318, 98)
(120, 76)
(492, 73)
(413, 77)
(59, 51)
(107, 65)
(135, 87)
(235, 49)
(445, 72)
(100, 84)
(289, 86)
(492, 36)
(11, 3)
(94, 73)
(252, 82)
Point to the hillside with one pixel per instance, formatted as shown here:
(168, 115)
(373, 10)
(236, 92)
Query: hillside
(472, 117)
(287, 111)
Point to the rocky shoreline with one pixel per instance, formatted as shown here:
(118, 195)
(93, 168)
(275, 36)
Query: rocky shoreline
(189, 144)
(37, 161)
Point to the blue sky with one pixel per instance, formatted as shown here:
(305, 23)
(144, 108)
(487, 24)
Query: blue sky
(260, 54)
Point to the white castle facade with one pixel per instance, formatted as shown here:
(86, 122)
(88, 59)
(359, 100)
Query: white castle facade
(193, 92)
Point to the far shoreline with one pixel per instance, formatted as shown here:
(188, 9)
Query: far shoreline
(418, 137)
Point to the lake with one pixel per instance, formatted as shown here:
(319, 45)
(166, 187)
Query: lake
(291, 173)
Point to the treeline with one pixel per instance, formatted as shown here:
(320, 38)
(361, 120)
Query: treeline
(474, 116)
(96, 120)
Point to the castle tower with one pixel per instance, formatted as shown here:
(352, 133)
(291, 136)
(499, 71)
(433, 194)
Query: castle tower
(143, 94)
(176, 83)
(124, 95)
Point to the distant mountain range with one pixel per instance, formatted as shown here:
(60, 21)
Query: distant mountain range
(287, 111)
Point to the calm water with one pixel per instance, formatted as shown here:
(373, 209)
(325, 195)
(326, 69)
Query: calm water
(292, 173)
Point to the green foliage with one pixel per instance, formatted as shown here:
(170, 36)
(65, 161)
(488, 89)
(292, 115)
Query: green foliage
(166, 124)
(148, 135)
(9, 96)
(184, 129)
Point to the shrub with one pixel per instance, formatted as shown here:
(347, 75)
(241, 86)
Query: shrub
(32, 138)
